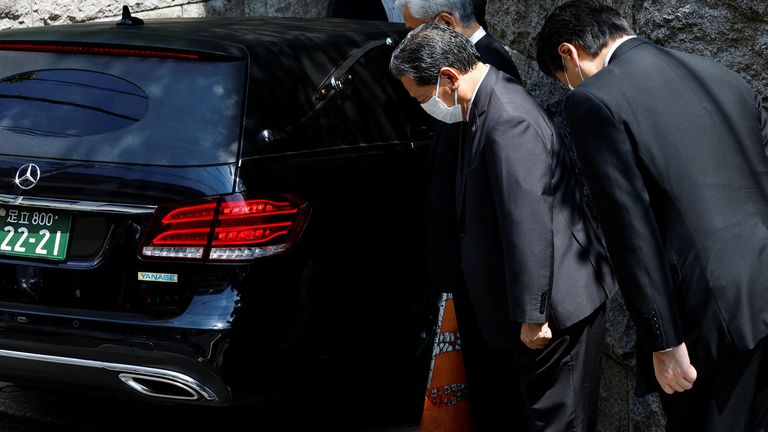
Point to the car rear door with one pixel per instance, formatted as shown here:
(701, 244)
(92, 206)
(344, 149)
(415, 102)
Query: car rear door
(94, 138)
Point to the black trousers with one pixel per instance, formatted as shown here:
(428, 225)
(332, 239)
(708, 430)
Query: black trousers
(554, 389)
(731, 397)
(493, 383)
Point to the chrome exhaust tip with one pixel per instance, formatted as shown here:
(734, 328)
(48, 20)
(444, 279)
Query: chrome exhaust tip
(159, 387)
(148, 381)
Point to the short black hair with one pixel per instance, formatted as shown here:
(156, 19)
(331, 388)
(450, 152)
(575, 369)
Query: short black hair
(589, 24)
(430, 47)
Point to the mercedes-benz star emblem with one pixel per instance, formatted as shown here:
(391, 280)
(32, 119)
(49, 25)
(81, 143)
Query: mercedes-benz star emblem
(27, 176)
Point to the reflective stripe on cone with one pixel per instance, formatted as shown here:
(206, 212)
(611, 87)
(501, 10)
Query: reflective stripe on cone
(446, 407)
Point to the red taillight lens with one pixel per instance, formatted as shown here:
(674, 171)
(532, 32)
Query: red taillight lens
(229, 228)
(98, 50)
(240, 235)
(240, 209)
(198, 237)
(204, 212)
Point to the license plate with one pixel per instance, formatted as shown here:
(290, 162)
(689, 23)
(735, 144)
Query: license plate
(34, 233)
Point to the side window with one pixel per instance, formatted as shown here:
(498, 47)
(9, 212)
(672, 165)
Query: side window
(377, 109)
(371, 107)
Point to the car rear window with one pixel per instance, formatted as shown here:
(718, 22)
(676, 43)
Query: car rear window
(69, 103)
(117, 109)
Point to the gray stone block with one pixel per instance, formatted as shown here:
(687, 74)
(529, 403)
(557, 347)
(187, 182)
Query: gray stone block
(54, 12)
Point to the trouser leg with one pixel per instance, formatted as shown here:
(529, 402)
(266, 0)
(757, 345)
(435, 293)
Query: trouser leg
(759, 421)
(493, 384)
(562, 381)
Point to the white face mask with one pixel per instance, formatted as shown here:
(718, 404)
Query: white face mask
(565, 72)
(439, 110)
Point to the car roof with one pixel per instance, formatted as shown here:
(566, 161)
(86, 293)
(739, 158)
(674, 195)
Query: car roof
(222, 36)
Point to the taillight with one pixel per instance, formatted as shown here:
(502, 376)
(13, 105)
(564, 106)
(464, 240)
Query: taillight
(97, 50)
(227, 228)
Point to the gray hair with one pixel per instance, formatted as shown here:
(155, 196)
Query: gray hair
(427, 10)
(430, 47)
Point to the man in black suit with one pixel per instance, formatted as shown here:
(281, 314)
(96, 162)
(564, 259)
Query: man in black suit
(460, 16)
(672, 146)
(442, 244)
(530, 264)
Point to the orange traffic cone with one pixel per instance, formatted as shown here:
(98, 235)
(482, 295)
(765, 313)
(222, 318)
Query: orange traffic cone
(446, 407)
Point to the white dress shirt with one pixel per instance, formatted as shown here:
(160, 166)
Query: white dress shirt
(477, 35)
(472, 101)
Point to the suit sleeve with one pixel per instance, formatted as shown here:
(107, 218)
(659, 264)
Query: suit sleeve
(634, 244)
(520, 174)
(763, 112)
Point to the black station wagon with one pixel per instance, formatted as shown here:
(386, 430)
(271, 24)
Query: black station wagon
(211, 211)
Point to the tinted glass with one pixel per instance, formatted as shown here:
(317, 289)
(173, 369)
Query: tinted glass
(69, 103)
(192, 110)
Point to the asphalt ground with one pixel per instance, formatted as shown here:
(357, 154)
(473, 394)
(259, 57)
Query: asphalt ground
(32, 409)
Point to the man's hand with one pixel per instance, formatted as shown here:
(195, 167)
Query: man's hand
(535, 336)
(673, 368)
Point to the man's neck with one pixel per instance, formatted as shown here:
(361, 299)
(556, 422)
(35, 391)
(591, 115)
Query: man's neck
(470, 29)
(470, 83)
(593, 65)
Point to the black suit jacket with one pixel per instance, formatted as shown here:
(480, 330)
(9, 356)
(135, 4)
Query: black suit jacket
(440, 194)
(493, 52)
(672, 146)
(527, 252)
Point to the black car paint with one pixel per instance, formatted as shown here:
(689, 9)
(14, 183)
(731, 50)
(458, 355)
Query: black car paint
(344, 312)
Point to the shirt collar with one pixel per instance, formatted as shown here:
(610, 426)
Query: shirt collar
(472, 101)
(477, 35)
(616, 45)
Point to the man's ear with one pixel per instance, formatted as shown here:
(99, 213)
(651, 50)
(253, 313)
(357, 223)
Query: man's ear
(451, 75)
(568, 50)
(575, 53)
(447, 19)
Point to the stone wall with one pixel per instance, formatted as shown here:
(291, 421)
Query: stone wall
(30, 13)
(733, 32)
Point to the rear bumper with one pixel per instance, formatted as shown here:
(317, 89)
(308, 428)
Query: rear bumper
(119, 377)
(154, 363)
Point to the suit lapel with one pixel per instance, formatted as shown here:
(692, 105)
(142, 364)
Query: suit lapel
(483, 43)
(471, 142)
